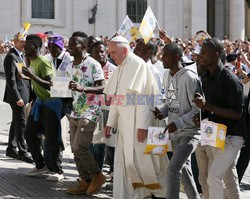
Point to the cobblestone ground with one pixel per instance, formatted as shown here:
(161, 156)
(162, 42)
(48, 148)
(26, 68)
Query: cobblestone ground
(14, 184)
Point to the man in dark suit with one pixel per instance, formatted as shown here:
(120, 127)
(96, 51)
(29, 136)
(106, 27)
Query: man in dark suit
(17, 94)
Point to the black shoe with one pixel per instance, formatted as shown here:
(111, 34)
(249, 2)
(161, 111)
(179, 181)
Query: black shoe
(25, 158)
(12, 153)
(154, 197)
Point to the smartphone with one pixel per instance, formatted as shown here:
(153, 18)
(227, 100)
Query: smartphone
(196, 95)
(152, 110)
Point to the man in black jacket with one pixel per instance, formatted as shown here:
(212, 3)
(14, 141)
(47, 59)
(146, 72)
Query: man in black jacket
(17, 94)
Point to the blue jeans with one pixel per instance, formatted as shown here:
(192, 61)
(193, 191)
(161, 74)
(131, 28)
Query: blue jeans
(49, 122)
(66, 110)
(98, 151)
(179, 169)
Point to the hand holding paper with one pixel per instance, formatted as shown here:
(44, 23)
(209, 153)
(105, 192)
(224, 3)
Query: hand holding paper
(27, 72)
(75, 87)
(170, 128)
(196, 119)
(157, 141)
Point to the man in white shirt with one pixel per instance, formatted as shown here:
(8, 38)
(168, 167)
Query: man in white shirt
(59, 59)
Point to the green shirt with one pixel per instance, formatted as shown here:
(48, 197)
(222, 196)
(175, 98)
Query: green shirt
(41, 67)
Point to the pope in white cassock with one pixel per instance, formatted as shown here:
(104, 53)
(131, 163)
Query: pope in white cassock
(136, 175)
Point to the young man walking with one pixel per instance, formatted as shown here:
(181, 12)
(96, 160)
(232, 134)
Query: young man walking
(183, 82)
(87, 81)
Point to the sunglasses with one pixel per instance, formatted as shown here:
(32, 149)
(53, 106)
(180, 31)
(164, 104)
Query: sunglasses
(209, 41)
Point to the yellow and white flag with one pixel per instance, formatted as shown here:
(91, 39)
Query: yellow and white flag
(213, 134)
(128, 29)
(148, 25)
(24, 31)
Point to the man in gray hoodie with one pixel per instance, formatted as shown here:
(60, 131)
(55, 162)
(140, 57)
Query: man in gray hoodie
(181, 85)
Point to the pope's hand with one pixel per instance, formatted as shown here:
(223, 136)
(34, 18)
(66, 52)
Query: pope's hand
(142, 135)
(107, 132)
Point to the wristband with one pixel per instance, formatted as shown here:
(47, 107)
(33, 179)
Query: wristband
(212, 111)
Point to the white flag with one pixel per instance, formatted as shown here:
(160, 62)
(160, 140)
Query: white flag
(128, 29)
(148, 25)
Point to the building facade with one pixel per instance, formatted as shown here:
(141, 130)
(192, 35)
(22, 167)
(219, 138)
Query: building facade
(180, 18)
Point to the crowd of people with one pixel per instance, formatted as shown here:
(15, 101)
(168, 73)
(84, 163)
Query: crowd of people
(196, 79)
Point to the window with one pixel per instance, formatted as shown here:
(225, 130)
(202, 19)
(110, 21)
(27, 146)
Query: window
(136, 10)
(43, 9)
(44, 12)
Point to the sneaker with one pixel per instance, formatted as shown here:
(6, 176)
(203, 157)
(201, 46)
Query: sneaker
(35, 171)
(25, 158)
(55, 177)
(82, 187)
(12, 153)
(96, 183)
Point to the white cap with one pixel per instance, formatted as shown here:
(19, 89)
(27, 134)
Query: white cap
(119, 39)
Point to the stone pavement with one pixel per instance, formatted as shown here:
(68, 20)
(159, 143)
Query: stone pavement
(14, 184)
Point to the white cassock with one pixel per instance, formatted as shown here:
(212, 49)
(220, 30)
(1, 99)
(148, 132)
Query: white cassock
(136, 176)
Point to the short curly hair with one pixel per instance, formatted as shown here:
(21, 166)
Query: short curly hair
(83, 37)
(35, 40)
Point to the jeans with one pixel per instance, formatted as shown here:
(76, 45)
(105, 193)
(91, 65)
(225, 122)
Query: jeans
(179, 169)
(98, 151)
(66, 110)
(81, 135)
(48, 121)
(223, 168)
(195, 170)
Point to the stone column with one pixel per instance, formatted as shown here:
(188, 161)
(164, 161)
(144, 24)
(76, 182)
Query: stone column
(173, 21)
(237, 19)
(198, 16)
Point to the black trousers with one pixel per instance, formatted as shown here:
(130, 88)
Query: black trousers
(16, 132)
(244, 158)
(47, 124)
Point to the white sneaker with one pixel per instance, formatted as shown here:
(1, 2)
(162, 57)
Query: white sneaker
(35, 171)
(55, 177)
